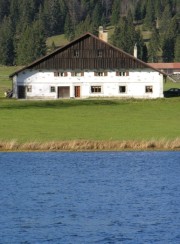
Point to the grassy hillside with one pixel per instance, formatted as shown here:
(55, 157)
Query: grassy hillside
(89, 119)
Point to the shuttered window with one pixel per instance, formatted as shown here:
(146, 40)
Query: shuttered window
(95, 89)
(122, 73)
(101, 73)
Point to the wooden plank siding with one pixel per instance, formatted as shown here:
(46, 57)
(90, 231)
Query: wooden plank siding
(87, 53)
(88, 57)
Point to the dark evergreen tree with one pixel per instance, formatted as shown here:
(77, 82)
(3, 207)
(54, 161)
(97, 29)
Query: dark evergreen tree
(124, 35)
(168, 46)
(115, 12)
(97, 16)
(54, 17)
(165, 19)
(177, 49)
(150, 14)
(145, 53)
(85, 26)
(137, 11)
(31, 44)
(69, 31)
(154, 46)
(14, 14)
(6, 43)
(4, 9)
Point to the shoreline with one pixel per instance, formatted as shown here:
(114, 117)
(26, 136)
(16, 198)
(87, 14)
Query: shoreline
(91, 145)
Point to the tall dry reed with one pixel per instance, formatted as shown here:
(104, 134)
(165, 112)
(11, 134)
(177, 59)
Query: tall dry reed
(86, 145)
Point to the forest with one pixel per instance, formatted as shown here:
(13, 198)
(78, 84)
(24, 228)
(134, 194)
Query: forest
(25, 26)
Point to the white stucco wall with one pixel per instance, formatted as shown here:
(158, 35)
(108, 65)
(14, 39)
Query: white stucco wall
(135, 83)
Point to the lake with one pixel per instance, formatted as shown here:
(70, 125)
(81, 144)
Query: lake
(90, 197)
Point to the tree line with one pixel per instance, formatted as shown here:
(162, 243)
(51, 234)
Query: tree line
(26, 24)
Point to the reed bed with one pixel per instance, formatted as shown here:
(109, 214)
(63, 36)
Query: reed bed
(86, 145)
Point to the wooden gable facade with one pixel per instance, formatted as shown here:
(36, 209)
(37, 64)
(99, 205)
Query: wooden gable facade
(87, 53)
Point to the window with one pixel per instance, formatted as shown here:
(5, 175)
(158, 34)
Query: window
(76, 53)
(122, 89)
(100, 73)
(63, 74)
(99, 53)
(29, 88)
(148, 89)
(56, 73)
(52, 89)
(122, 73)
(95, 89)
(78, 74)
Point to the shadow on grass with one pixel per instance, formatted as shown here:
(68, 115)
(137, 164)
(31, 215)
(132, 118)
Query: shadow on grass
(24, 104)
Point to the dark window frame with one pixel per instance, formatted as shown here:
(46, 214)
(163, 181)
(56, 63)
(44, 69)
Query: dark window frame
(96, 89)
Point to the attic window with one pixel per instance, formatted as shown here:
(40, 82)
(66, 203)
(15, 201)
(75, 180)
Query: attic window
(76, 53)
(99, 53)
(148, 89)
(122, 73)
(63, 74)
(100, 73)
(78, 74)
(56, 73)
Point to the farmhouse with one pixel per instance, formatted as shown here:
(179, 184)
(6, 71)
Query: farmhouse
(87, 67)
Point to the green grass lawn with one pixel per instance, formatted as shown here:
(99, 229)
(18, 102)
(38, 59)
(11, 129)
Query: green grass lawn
(89, 119)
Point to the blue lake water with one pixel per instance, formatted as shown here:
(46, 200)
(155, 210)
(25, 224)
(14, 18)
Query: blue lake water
(100, 197)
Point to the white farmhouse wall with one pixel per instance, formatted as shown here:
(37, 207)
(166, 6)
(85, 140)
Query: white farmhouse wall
(135, 83)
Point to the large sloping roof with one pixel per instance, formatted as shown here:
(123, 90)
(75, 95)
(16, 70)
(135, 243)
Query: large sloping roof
(165, 65)
(62, 58)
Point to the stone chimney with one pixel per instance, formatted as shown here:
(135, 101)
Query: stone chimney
(135, 50)
(103, 34)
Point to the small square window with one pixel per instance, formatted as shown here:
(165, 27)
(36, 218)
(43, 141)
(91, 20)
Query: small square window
(100, 73)
(148, 89)
(122, 89)
(76, 53)
(56, 73)
(62, 74)
(100, 53)
(52, 89)
(122, 73)
(29, 88)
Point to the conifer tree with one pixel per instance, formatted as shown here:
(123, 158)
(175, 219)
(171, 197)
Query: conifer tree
(177, 49)
(97, 15)
(165, 19)
(115, 12)
(168, 46)
(85, 26)
(150, 15)
(4, 9)
(124, 35)
(68, 28)
(6, 43)
(31, 44)
(154, 46)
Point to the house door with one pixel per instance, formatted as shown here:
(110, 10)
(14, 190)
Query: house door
(77, 91)
(21, 92)
(63, 92)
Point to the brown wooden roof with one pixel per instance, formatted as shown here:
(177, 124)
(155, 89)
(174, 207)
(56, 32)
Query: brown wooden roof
(165, 65)
(87, 52)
